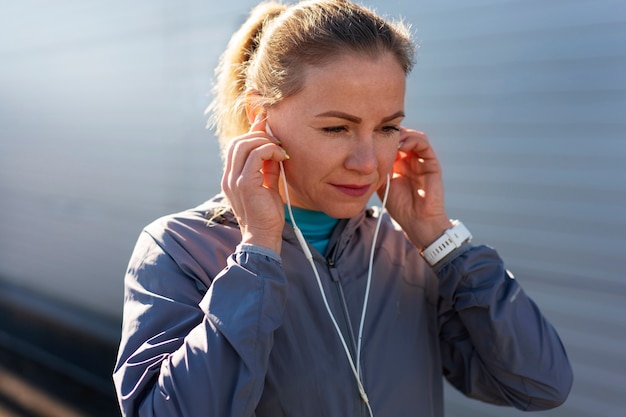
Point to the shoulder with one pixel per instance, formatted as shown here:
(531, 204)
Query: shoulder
(212, 217)
(205, 235)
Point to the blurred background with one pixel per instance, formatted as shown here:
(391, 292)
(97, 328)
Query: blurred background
(102, 130)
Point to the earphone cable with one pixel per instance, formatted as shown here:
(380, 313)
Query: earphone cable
(302, 241)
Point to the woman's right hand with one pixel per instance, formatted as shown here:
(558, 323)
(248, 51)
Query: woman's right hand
(250, 182)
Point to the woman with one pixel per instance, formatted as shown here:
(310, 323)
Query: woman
(285, 296)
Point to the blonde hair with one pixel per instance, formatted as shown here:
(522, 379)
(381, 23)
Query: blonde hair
(267, 55)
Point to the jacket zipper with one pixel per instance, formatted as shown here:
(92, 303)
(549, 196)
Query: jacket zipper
(334, 274)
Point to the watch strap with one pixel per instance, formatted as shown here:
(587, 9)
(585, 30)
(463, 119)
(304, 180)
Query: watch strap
(451, 239)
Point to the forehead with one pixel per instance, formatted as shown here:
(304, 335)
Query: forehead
(353, 82)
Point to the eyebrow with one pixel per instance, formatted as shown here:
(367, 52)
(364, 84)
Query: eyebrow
(355, 119)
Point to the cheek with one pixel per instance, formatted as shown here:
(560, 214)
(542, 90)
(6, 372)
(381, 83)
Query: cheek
(307, 166)
(387, 156)
(316, 158)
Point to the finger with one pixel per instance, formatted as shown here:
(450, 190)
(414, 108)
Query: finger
(248, 171)
(257, 129)
(258, 155)
(245, 142)
(415, 148)
(271, 175)
(238, 153)
(414, 141)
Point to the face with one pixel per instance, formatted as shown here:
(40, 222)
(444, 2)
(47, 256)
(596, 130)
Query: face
(341, 132)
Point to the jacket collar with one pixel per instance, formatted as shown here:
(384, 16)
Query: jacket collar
(218, 210)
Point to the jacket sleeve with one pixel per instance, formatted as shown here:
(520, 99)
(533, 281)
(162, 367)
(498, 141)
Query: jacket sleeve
(188, 351)
(496, 345)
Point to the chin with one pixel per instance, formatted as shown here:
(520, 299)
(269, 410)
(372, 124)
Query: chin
(345, 211)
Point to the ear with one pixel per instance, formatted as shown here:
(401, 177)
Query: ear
(253, 105)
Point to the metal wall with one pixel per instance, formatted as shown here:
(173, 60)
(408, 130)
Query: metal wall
(102, 130)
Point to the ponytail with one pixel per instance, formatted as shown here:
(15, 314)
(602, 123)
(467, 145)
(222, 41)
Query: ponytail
(228, 109)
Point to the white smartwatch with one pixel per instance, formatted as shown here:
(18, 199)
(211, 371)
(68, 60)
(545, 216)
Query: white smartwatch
(451, 239)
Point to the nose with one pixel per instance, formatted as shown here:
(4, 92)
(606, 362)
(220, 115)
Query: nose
(362, 157)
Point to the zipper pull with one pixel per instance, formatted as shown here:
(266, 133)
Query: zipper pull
(334, 274)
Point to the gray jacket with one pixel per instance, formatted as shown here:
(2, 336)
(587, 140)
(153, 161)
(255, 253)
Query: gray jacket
(211, 328)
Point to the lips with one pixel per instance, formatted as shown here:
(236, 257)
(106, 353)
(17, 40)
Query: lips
(353, 190)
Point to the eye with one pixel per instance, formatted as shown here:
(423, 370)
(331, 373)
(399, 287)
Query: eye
(390, 130)
(334, 130)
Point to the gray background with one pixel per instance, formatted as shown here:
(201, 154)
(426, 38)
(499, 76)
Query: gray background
(102, 130)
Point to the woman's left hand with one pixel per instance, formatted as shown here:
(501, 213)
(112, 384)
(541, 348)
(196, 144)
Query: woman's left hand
(416, 197)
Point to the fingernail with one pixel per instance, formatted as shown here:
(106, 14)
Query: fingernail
(286, 154)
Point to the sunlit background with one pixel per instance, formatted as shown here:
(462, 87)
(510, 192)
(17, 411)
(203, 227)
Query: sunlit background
(102, 130)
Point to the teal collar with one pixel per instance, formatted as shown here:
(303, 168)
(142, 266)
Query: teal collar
(316, 226)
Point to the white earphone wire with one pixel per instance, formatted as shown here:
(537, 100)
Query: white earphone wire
(369, 276)
(355, 366)
(309, 256)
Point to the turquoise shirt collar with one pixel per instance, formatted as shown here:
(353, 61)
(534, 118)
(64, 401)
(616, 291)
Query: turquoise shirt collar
(316, 226)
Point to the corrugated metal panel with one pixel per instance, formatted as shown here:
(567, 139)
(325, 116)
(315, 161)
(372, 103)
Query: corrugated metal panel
(526, 105)
(102, 130)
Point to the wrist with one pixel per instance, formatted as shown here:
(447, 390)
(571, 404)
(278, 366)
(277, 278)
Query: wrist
(262, 241)
(259, 250)
(423, 235)
(435, 232)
